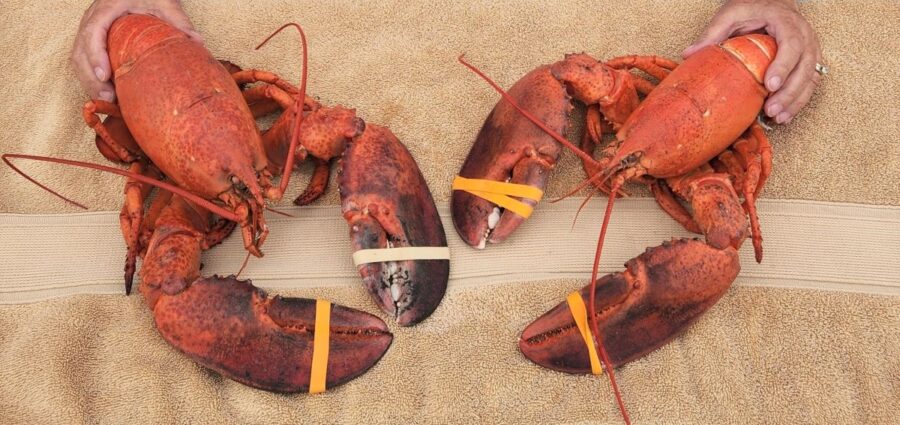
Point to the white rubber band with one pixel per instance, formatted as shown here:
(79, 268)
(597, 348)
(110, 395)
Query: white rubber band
(366, 256)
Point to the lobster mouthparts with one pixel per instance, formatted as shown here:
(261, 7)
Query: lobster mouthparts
(658, 296)
(387, 204)
(511, 149)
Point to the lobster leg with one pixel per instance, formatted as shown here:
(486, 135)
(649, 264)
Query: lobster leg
(118, 149)
(234, 328)
(317, 183)
(658, 67)
(667, 201)
(251, 76)
(323, 134)
(131, 218)
(260, 102)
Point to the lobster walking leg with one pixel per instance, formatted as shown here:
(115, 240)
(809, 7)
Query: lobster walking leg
(120, 149)
(667, 201)
(131, 218)
(318, 182)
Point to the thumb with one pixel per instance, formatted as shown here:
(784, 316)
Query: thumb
(718, 30)
(175, 16)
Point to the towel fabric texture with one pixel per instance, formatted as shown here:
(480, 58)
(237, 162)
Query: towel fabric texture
(810, 336)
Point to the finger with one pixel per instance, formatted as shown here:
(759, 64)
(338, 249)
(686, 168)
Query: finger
(794, 108)
(790, 49)
(175, 16)
(729, 21)
(95, 88)
(786, 102)
(719, 29)
(96, 28)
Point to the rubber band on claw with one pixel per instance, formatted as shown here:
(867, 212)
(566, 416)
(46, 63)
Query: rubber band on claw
(321, 346)
(366, 256)
(501, 193)
(579, 313)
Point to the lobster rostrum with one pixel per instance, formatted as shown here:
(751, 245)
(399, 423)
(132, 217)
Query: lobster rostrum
(694, 139)
(212, 159)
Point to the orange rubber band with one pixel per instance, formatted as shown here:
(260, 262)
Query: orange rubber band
(320, 347)
(579, 312)
(501, 193)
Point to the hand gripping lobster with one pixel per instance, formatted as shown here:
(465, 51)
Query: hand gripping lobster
(693, 138)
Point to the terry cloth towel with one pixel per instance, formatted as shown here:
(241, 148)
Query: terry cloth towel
(812, 335)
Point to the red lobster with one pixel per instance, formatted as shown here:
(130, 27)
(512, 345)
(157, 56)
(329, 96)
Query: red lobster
(182, 116)
(693, 138)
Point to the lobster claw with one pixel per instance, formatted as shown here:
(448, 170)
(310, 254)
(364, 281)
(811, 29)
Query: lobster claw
(387, 204)
(234, 328)
(658, 296)
(509, 148)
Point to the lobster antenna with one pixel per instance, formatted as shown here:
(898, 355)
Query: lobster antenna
(295, 134)
(204, 203)
(593, 309)
(606, 175)
(282, 213)
(246, 260)
(581, 207)
(55, 193)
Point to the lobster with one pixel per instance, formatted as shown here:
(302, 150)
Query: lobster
(693, 139)
(197, 131)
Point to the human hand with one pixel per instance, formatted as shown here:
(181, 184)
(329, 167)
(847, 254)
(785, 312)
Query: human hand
(90, 59)
(792, 77)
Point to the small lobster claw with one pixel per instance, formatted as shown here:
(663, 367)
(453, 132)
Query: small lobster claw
(387, 205)
(509, 148)
(659, 294)
(234, 328)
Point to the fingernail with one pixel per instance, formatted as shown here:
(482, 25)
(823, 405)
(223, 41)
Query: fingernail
(774, 110)
(100, 74)
(106, 95)
(774, 83)
(688, 50)
(783, 118)
(196, 36)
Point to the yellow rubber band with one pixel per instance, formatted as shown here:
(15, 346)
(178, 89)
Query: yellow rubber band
(320, 347)
(366, 256)
(500, 193)
(579, 312)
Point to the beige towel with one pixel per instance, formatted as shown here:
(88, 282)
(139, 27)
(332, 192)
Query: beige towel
(761, 355)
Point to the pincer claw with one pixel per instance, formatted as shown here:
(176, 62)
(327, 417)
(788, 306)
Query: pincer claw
(511, 151)
(661, 292)
(390, 211)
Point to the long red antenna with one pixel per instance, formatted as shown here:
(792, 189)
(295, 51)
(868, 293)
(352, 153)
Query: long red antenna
(592, 310)
(295, 135)
(204, 203)
(615, 188)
